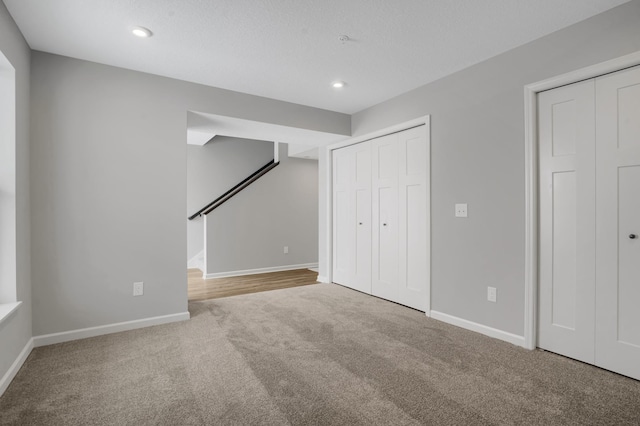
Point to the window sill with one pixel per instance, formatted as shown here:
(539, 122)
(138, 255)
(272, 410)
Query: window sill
(6, 309)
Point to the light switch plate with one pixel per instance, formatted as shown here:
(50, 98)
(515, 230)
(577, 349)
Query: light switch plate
(492, 294)
(461, 210)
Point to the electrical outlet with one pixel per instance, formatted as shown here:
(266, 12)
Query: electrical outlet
(461, 210)
(138, 288)
(286, 249)
(492, 294)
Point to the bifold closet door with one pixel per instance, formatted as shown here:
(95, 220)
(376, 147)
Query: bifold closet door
(361, 194)
(589, 289)
(566, 119)
(399, 198)
(385, 217)
(380, 217)
(343, 234)
(618, 222)
(352, 217)
(413, 160)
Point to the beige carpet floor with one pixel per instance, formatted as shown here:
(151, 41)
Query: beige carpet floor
(319, 354)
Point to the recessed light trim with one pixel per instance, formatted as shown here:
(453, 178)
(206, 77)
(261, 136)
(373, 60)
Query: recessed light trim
(142, 32)
(338, 84)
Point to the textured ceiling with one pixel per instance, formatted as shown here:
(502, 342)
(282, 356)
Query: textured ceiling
(289, 49)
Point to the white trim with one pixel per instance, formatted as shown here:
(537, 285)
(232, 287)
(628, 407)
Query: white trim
(592, 71)
(531, 219)
(8, 207)
(323, 279)
(6, 309)
(16, 366)
(206, 259)
(83, 333)
(427, 123)
(328, 224)
(260, 270)
(531, 178)
(424, 120)
(382, 132)
(479, 328)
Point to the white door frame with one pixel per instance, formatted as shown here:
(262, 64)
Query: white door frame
(328, 177)
(531, 178)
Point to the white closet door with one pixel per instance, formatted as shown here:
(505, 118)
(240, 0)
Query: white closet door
(380, 217)
(618, 220)
(361, 195)
(385, 217)
(343, 218)
(567, 220)
(352, 216)
(412, 218)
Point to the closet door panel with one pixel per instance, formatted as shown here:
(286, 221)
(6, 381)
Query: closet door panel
(618, 222)
(412, 218)
(628, 329)
(362, 206)
(567, 220)
(385, 217)
(343, 217)
(341, 256)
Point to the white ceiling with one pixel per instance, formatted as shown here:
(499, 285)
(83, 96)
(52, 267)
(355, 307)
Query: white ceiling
(289, 49)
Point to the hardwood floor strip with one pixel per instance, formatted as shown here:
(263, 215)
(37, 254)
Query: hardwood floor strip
(213, 288)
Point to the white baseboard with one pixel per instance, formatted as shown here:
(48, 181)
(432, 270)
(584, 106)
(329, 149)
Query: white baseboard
(260, 270)
(15, 367)
(197, 261)
(478, 328)
(83, 333)
(323, 279)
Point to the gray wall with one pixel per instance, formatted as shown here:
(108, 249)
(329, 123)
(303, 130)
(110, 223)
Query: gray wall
(212, 170)
(477, 144)
(15, 331)
(279, 209)
(109, 186)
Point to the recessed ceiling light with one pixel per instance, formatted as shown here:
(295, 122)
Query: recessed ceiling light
(142, 32)
(338, 84)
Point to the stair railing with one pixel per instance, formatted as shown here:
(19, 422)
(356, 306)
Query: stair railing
(235, 190)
